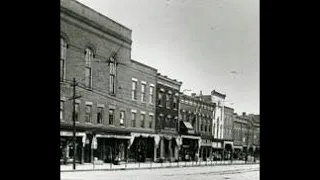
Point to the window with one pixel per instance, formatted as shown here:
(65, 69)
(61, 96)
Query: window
(168, 101)
(88, 113)
(99, 115)
(122, 118)
(151, 94)
(133, 119)
(159, 99)
(134, 90)
(61, 110)
(88, 67)
(175, 99)
(142, 120)
(205, 126)
(167, 121)
(150, 121)
(201, 126)
(112, 76)
(143, 92)
(63, 55)
(77, 110)
(111, 116)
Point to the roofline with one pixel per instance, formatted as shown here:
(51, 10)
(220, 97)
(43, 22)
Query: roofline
(218, 93)
(174, 81)
(137, 62)
(101, 14)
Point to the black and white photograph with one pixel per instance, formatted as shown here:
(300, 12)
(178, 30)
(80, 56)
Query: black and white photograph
(159, 89)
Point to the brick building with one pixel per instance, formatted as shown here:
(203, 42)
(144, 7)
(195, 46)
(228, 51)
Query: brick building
(196, 126)
(115, 113)
(228, 131)
(167, 106)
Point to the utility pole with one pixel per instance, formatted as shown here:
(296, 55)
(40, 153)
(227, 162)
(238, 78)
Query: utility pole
(74, 97)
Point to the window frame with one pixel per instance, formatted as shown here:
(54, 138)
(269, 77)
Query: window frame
(88, 115)
(89, 56)
(111, 114)
(63, 58)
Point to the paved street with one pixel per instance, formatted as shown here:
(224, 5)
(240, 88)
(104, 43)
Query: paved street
(231, 172)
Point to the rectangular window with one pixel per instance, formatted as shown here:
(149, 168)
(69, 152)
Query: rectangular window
(88, 113)
(133, 119)
(159, 99)
(168, 101)
(150, 121)
(175, 100)
(88, 77)
(122, 118)
(151, 95)
(63, 55)
(77, 110)
(142, 120)
(111, 116)
(112, 84)
(134, 90)
(99, 115)
(62, 69)
(61, 110)
(112, 75)
(143, 92)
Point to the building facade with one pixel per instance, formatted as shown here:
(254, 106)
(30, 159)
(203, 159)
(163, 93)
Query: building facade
(115, 108)
(196, 127)
(228, 132)
(218, 122)
(167, 106)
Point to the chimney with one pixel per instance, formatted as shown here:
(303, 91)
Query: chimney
(244, 114)
(193, 94)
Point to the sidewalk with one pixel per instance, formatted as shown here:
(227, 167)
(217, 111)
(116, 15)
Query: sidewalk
(146, 165)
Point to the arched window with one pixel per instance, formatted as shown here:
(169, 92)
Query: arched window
(63, 56)
(88, 67)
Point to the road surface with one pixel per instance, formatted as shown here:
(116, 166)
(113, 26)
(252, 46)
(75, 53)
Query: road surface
(230, 172)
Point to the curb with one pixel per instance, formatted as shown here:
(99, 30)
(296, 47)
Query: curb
(163, 167)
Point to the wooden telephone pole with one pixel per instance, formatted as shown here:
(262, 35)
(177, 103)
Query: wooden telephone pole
(74, 97)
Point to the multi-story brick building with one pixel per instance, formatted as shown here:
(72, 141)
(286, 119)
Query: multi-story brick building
(228, 131)
(246, 134)
(167, 106)
(115, 112)
(196, 126)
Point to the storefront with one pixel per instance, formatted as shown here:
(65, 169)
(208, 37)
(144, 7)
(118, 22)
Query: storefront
(66, 147)
(142, 147)
(111, 147)
(206, 149)
(217, 150)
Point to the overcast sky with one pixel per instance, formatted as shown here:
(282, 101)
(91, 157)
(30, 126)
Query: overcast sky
(206, 44)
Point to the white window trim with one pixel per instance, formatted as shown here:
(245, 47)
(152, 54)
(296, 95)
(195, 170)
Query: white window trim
(78, 101)
(134, 79)
(143, 82)
(100, 105)
(151, 114)
(142, 112)
(63, 99)
(133, 111)
(112, 107)
(151, 85)
(89, 103)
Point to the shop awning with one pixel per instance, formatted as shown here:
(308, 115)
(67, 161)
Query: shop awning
(190, 137)
(188, 125)
(112, 136)
(67, 133)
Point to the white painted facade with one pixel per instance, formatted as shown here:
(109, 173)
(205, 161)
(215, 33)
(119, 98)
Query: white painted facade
(218, 116)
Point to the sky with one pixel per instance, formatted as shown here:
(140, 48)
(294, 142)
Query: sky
(206, 44)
